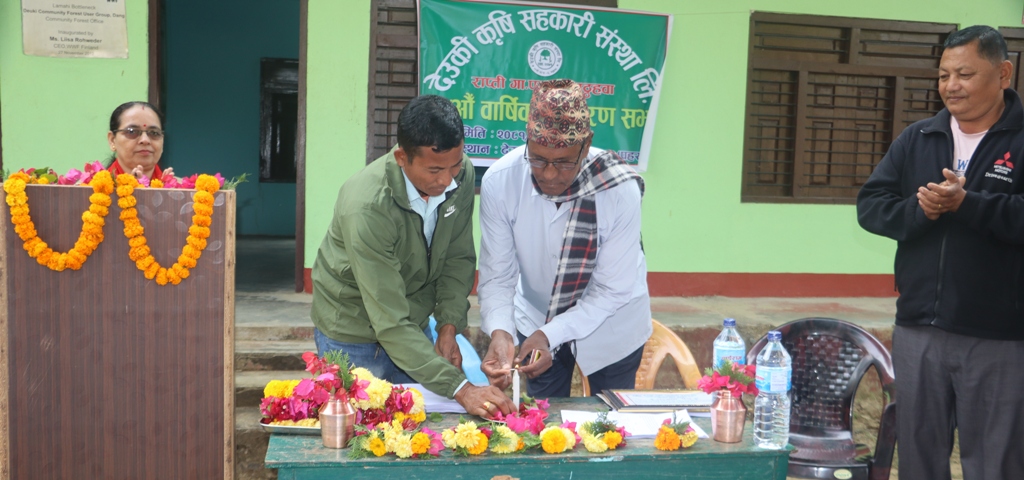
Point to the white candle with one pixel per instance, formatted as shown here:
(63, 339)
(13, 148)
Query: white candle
(515, 388)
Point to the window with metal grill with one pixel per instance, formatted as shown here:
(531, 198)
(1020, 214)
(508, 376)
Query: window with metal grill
(825, 98)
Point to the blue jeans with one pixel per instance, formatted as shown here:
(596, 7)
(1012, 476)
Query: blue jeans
(370, 356)
(557, 380)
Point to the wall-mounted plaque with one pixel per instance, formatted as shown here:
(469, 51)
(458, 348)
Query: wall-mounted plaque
(74, 28)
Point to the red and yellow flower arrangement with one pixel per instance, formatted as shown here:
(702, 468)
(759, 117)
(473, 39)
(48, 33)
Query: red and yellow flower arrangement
(671, 435)
(288, 402)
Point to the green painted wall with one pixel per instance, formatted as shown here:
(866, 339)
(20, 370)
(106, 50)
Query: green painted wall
(213, 98)
(337, 76)
(693, 219)
(55, 111)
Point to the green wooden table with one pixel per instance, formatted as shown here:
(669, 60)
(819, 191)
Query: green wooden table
(305, 457)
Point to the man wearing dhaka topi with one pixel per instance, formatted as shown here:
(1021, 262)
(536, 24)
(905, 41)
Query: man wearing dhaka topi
(562, 271)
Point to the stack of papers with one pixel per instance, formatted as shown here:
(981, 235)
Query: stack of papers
(640, 425)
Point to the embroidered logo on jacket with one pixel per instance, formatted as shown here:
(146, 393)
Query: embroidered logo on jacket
(1002, 167)
(449, 212)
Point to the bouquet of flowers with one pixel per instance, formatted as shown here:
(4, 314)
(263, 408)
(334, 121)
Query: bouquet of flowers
(737, 379)
(376, 401)
(672, 435)
(602, 434)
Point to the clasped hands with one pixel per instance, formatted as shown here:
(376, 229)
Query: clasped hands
(501, 357)
(938, 198)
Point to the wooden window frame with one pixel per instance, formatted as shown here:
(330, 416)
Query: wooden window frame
(873, 57)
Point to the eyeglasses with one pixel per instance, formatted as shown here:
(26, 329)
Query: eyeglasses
(564, 166)
(132, 133)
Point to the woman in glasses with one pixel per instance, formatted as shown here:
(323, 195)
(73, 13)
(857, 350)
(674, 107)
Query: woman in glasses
(136, 137)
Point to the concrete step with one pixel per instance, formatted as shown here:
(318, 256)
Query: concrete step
(271, 355)
(273, 332)
(251, 446)
(249, 385)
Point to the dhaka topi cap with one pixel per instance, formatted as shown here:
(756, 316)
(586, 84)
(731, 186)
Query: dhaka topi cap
(559, 116)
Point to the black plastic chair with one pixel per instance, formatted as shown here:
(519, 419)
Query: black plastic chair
(829, 359)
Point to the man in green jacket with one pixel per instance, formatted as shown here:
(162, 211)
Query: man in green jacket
(400, 248)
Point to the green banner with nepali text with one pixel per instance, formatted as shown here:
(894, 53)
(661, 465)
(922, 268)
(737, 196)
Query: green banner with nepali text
(486, 57)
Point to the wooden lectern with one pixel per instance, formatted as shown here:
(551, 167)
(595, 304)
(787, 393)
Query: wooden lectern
(106, 374)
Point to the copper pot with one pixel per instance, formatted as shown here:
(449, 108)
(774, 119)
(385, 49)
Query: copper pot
(728, 414)
(337, 422)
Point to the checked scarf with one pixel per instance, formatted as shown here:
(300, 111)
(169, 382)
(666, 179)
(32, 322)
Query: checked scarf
(579, 246)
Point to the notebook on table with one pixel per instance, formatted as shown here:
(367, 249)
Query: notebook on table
(695, 401)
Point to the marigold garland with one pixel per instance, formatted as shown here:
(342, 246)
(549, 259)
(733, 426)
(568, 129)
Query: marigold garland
(197, 234)
(92, 222)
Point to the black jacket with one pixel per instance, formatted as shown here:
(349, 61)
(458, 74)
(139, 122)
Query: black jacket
(963, 272)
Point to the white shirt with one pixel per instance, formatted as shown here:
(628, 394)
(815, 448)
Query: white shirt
(427, 209)
(964, 145)
(521, 242)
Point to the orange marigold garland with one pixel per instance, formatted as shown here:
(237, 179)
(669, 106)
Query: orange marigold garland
(202, 205)
(92, 222)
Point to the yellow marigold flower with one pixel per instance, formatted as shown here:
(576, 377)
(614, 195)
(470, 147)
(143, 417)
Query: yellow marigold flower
(448, 438)
(43, 180)
(378, 390)
(520, 446)
(144, 262)
(275, 388)
(137, 242)
(202, 220)
(161, 277)
(202, 197)
(152, 270)
(156, 183)
(481, 444)
(126, 201)
(17, 210)
(403, 446)
(100, 199)
(419, 417)
(191, 252)
(593, 444)
(99, 210)
(570, 438)
(377, 447)
(667, 439)
(552, 440)
(198, 244)
(201, 209)
(507, 440)
(207, 183)
(420, 443)
(688, 439)
(612, 439)
(180, 271)
(129, 213)
(172, 277)
(187, 261)
(465, 435)
(199, 232)
(38, 249)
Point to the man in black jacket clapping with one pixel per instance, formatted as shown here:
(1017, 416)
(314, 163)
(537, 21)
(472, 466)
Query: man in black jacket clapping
(950, 193)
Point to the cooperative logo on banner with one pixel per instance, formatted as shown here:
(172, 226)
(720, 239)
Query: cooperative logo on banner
(545, 58)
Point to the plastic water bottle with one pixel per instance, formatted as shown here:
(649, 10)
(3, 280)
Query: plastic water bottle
(729, 345)
(771, 407)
